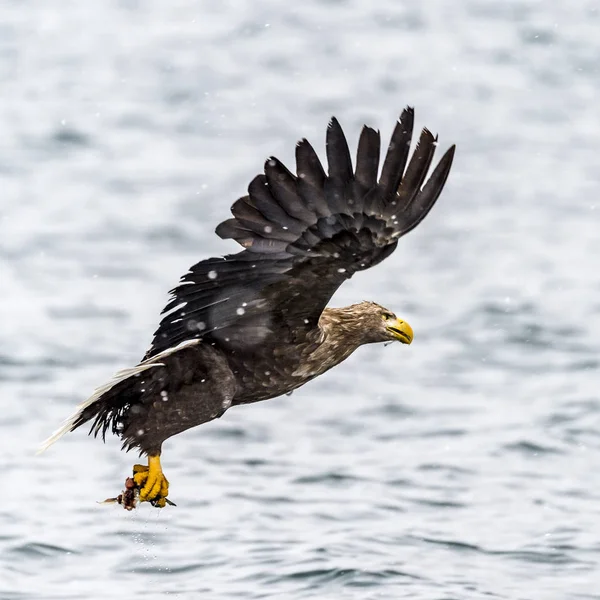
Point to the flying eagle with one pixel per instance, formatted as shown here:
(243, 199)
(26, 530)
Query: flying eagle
(255, 325)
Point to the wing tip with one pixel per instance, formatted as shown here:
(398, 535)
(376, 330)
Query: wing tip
(371, 130)
(408, 112)
(446, 161)
(333, 122)
(426, 133)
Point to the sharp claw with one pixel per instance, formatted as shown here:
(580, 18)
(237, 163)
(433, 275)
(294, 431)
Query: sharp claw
(148, 484)
(162, 502)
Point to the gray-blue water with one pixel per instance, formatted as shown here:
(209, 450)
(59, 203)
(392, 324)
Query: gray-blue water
(465, 466)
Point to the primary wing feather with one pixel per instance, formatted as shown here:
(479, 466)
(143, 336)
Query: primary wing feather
(304, 235)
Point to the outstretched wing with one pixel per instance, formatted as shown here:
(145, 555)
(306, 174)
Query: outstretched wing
(304, 235)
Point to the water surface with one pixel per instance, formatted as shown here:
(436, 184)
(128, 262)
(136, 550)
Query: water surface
(463, 466)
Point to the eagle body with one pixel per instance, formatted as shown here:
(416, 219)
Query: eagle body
(255, 325)
(200, 382)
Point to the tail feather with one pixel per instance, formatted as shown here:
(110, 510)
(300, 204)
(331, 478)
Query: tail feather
(77, 418)
(72, 422)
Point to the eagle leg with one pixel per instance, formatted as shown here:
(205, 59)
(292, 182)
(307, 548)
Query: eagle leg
(152, 482)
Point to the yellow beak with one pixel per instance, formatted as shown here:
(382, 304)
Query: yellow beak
(401, 330)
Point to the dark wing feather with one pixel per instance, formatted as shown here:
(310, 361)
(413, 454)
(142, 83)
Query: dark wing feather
(409, 215)
(397, 154)
(367, 159)
(338, 154)
(303, 236)
(340, 169)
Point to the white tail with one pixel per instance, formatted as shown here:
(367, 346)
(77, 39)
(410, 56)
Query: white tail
(100, 391)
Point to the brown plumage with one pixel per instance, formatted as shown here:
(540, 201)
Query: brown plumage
(254, 325)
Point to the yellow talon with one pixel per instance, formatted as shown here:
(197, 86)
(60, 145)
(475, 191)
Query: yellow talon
(152, 481)
(148, 484)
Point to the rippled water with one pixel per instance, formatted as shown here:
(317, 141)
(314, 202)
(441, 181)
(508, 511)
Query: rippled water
(464, 466)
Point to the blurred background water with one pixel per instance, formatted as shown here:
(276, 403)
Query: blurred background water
(463, 466)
